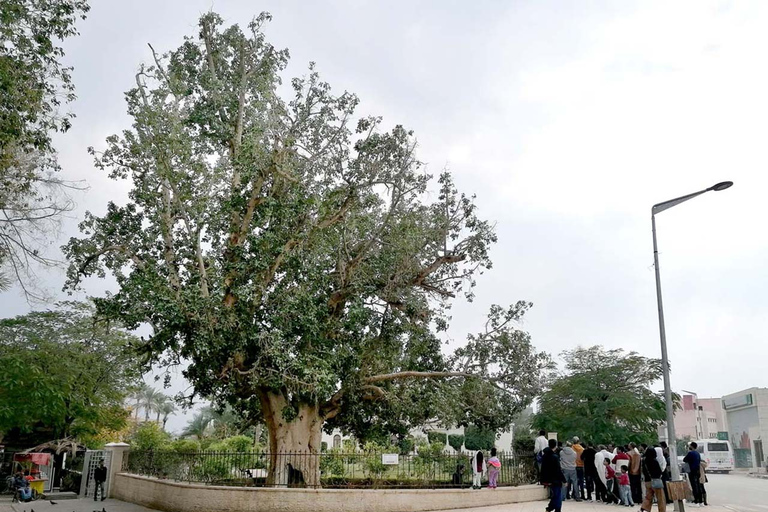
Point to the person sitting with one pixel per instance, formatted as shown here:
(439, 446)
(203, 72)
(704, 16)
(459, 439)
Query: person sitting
(21, 487)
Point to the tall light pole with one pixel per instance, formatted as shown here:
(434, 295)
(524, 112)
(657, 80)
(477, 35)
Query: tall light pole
(658, 208)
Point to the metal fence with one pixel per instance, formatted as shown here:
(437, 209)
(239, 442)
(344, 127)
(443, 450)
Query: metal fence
(336, 470)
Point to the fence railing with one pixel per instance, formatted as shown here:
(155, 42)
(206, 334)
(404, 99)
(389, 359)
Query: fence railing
(336, 470)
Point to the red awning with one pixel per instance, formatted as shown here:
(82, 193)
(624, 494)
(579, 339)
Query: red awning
(41, 459)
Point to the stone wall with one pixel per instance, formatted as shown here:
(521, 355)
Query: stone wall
(181, 497)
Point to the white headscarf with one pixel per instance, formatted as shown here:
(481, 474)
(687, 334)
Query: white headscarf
(660, 458)
(599, 458)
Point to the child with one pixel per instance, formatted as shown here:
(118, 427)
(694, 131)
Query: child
(625, 491)
(494, 464)
(610, 474)
(478, 468)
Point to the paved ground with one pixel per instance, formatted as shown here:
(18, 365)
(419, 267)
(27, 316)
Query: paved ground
(727, 493)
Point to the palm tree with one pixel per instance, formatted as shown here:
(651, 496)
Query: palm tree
(137, 394)
(166, 408)
(148, 399)
(197, 427)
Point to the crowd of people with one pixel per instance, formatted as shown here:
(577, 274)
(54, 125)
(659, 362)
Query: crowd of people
(624, 475)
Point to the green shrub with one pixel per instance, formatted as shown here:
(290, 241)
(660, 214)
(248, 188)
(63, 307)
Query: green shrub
(406, 445)
(436, 437)
(233, 444)
(185, 445)
(373, 467)
(476, 438)
(332, 463)
(150, 436)
(323, 447)
(456, 441)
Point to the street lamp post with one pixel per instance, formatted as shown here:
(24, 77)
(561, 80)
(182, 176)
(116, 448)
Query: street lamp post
(658, 208)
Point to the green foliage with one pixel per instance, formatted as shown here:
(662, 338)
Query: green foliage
(405, 445)
(373, 467)
(456, 441)
(33, 81)
(323, 447)
(682, 445)
(150, 436)
(233, 444)
(429, 460)
(437, 437)
(185, 445)
(65, 369)
(332, 463)
(296, 261)
(477, 438)
(604, 397)
(33, 85)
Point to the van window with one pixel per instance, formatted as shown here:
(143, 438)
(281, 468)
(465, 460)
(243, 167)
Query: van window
(717, 447)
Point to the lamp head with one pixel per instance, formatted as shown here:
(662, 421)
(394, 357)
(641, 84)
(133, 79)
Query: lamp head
(721, 186)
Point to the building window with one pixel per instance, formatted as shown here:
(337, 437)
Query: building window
(337, 441)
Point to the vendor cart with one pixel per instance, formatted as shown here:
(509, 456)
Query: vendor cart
(37, 468)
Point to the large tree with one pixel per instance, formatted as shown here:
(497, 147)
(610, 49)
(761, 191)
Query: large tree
(64, 370)
(604, 396)
(33, 86)
(295, 259)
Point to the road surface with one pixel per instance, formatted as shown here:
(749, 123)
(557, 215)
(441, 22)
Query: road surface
(738, 492)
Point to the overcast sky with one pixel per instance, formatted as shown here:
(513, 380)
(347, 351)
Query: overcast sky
(567, 119)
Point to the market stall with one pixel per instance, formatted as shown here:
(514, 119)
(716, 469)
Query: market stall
(37, 468)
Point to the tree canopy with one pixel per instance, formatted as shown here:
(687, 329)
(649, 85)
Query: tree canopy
(604, 396)
(64, 369)
(33, 86)
(296, 254)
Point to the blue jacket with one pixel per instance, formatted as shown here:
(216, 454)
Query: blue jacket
(694, 461)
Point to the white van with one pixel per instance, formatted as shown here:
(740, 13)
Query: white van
(718, 454)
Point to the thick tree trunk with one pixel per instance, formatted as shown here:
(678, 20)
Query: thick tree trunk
(294, 446)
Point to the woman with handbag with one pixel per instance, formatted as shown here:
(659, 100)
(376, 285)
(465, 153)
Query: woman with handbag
(653, 483)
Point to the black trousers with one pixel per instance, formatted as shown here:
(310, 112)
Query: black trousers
(589, 479)
(696, 486)
(636, 484)
(580, 480)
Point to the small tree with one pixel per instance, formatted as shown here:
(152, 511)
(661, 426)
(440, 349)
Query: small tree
(477, 438)
(456, 441)
(66, 370)
(604, 397)
(437, 437)
(150, 436)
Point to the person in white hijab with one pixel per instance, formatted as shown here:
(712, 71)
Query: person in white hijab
(478, 469)
(660, 458)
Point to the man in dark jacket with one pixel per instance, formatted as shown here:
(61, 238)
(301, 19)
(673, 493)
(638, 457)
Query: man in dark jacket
(552, 476)
(694, 462)
(100, 476)
(590, 471)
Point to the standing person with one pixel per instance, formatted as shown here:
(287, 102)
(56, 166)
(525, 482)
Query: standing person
(568, 465)
(620, 459)
(538, 450)
(590, 472)
(635, 480)
(552, 476)
(99, 477)
(478, 468)
(579, 464)
(703, 480)
(494, 464)
(601, 487)
(653, 485)
(694, 462)
(666, 476)
(625, 490)
(610, 478)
